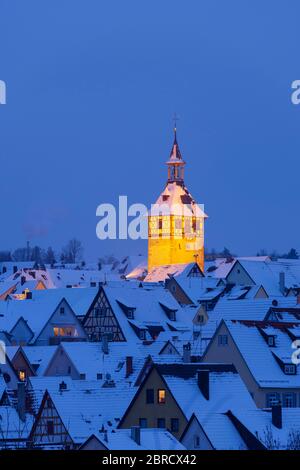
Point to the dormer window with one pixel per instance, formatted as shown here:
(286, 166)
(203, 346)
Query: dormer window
(271, 341)
(129, 311)
(142, 335)
(290, 369)
(171, 314)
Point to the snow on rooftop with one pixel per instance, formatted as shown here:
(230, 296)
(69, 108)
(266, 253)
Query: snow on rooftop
(259, 356)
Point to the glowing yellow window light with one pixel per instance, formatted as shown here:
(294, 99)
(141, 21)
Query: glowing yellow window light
(161, 396)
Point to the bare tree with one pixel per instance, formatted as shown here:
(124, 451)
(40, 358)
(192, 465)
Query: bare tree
(72, 252)
(294, 440)
(269, 440)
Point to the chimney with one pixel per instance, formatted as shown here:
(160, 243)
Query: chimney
(105, 344)
(277, 415)
(136, 434)
(203, 382)
(282, 282)
(187, 352)
(21, 397)
(129, 365)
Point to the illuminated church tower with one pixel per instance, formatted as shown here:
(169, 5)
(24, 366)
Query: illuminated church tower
(175, 222)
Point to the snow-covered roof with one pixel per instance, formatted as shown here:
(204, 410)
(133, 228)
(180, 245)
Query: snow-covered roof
(149, 304)
(260, 357)
(37, 311)
(176, 200)
(89, 359)
(220, 267)
(150, 439)
(39, 357)
(267, 273)
(163, 272)
(86, 407)
(11, 427)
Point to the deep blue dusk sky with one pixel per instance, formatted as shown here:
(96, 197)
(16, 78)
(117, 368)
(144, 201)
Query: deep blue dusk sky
(91, 89)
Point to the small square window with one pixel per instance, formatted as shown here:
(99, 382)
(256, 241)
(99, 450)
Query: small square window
(161, 396)
(99, 376)
(272, 399)
(149, 396)
(289, 400)
(222, 340)
(290, 369)
(82, 376)
(143, 423)
(22, 375)
(271, 341)
(142, 335)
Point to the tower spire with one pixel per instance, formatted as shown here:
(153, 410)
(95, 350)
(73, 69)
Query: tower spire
(175, 162)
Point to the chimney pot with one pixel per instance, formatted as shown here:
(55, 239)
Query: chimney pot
(129, 366)
(21, 394)
(277, 415)
(62, 386)
(282, 282)
(187, 352)
(105, 344)
(136, 434)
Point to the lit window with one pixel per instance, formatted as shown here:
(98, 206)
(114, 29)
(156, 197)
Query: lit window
(161, 396)
(22, 375)
(56, 331)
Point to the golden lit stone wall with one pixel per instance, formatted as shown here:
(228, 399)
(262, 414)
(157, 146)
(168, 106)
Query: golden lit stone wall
(175, 240)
